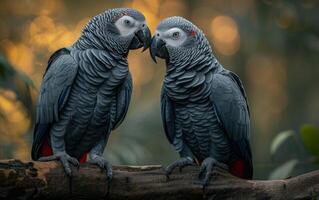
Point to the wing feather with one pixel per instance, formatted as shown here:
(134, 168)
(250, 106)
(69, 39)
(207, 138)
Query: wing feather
(168, 116)
(54, 91)
(230, 102)
(122, 101)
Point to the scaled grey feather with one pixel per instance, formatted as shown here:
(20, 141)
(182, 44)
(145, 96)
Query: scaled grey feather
(204, 107)
(86, 90)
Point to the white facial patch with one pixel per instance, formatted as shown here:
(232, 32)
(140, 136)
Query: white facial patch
(127, 25)
(173, 37)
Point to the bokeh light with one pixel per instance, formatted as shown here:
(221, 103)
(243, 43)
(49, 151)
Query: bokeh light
(226, 38)
(20, 55)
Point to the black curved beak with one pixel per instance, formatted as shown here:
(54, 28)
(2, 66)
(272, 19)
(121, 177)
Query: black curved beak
(158, 48)
(142, 38)
(147, 38)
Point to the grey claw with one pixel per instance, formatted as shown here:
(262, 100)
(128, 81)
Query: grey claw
(67, 171)
(109, 176)
(74, 161)
(208, 166)
(181, 163)
(104, 165)
(144, 48)
(207, 178)
(167, 177)
(65, 163)
(201, 170)
(109, 173)
(168, 170)
(222, 166)
(64, 158)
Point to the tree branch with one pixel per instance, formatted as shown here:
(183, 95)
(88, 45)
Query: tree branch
(47, 181)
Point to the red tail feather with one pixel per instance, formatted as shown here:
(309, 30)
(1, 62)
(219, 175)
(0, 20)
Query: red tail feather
(47, 151)
(238, 168)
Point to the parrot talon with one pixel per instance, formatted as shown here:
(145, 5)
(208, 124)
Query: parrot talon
(65, 159)
(208, 167)
(144, 49)
(104, 165)
(181, 163)
(109, 180)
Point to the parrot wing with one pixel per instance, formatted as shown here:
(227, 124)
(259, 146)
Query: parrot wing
(122, 101)
(230, 102)
(55, 88)
(172, 130)
(168, 116)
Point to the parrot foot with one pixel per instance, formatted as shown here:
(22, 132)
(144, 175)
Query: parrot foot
(208, 166)
(181, 163)
(65, 159)
(103, 164)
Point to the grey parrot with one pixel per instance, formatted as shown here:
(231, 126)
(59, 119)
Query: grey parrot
(204, 107)
(86, 90)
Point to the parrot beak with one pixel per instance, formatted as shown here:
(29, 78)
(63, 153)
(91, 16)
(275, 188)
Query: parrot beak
(147, 38)
(153, 49)
(141, 38)
(158, 48)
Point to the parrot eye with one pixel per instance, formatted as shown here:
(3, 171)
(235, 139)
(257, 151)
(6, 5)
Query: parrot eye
(175, 35)
(126, 25)
(127, 22)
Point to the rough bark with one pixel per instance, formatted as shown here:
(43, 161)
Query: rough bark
(27, 180)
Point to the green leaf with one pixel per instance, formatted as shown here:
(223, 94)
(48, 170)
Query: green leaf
(284, 170)
(279, 140)
(310, 137)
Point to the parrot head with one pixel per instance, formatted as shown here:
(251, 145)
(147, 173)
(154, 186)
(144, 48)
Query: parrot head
(119, 29)
(178, 40)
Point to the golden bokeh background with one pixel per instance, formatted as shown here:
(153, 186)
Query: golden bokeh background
(273, 46)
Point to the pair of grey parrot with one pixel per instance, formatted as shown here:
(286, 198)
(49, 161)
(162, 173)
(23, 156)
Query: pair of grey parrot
(86, 91)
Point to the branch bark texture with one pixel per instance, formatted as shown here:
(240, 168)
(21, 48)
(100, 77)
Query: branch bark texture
(46, 180)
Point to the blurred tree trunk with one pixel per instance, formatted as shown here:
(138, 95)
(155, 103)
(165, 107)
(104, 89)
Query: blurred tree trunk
(47, 181)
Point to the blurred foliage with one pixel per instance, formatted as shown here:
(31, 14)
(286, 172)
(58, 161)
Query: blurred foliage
(18, 83)
(272, 45)
(308, 136)
(284, 170)
(15, 89)
(280, 139)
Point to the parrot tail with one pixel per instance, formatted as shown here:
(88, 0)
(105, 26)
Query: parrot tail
(240, 169)
(46, 150)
